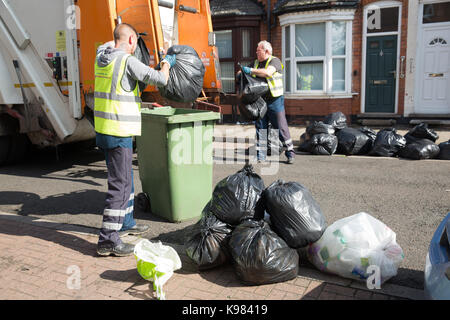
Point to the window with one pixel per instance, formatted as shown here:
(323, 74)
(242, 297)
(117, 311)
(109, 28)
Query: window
(246, 42)
(382, 19)
(436, 12)
(248, 52)
(310, 55)
(338, 34)
(235, 45)
(224, 45)
(316, 57)
(437, 41)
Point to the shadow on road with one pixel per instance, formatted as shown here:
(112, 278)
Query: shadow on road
(47, 163)
(77, 202)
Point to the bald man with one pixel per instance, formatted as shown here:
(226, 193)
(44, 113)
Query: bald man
(117, 119)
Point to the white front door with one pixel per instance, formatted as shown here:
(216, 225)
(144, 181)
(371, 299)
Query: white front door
(434, 70)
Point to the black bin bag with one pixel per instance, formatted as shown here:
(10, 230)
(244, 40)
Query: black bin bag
(251, 88)
(388, 143)
(305, 145)
(323, 144)
(295, 215)
(421, 131)
(235, 197)
(372, 136)
(353, 141)
(419, 149)
(185, 77)
(260, 256)
(444, 150)
(337, 119)
(141, 52)
(319, 127)
(254, 111)
(207, 243)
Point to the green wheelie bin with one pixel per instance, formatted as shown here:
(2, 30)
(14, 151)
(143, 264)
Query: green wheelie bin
(175, 156)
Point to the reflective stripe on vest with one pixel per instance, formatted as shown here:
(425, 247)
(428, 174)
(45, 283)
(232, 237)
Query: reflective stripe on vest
(276, 81)
(117, 112)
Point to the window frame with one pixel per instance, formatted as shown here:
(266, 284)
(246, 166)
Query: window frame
(327, 17)
(238, 24)
(228, 59)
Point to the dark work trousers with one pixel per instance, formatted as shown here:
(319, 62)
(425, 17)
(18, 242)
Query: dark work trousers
(277, 117)
(129, 221)
(120, 183)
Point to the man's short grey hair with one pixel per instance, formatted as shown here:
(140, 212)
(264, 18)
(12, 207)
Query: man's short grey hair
(266, 45)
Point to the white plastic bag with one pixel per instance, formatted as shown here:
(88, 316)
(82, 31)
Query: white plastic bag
(156, 262)
(350, 245)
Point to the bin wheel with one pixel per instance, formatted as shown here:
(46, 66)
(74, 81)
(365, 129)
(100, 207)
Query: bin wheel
(143, 202)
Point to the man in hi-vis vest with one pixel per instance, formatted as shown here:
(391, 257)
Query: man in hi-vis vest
(270, 67)
(117, 119)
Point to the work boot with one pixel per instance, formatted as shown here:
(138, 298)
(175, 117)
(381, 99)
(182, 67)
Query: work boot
(137, 229)
(290, 155)
(120, 250)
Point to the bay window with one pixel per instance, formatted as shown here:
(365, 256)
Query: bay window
(317, 53)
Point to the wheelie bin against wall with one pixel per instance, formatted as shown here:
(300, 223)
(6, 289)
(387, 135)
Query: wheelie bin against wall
(175, 156)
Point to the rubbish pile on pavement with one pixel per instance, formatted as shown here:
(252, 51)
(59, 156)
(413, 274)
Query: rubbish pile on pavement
(259, 231)
(333, 136)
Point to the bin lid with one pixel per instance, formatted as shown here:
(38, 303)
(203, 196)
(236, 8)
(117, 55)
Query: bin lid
(178, 115)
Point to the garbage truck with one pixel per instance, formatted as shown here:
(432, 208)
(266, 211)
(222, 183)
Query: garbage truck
(47, 55)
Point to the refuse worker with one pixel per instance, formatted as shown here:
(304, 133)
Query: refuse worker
(117, 119)
(270, 67)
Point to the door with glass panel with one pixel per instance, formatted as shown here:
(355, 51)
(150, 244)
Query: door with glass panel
(433, 67)
(381, 66)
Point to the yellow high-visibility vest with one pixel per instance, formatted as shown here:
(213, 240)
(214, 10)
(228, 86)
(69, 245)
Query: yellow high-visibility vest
(117, 112)
(276, 81)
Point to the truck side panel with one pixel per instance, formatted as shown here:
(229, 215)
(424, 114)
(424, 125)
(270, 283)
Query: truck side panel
(37, 23)
(97, 27)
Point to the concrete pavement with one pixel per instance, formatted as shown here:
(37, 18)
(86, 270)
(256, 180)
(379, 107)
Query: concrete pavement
(45, 260)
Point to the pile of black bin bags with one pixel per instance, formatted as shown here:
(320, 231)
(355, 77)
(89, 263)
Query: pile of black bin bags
(234, 228)
(334, 136)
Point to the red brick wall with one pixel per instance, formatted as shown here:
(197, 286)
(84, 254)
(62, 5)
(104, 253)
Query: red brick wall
(350, 106)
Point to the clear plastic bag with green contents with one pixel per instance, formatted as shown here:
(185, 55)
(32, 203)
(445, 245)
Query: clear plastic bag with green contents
(156, 262)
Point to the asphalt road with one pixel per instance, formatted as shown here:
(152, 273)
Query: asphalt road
(411, 197)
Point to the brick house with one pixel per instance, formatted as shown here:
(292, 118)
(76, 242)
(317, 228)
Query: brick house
(348, 55)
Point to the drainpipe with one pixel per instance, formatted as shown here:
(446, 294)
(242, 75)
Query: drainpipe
(269, 27)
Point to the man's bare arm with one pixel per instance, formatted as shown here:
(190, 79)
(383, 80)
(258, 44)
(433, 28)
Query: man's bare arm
(165, 67)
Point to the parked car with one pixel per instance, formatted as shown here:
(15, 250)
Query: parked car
(437, 267)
